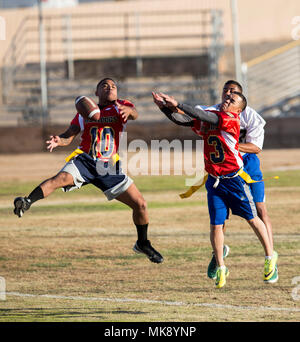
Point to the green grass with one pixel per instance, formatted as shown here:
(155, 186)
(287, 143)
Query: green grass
(144, 183)
(79, 255)
(58, 249)
(286, 178)
(80, 207)
(150, 184)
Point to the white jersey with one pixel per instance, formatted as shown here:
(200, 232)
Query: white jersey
(252, 125)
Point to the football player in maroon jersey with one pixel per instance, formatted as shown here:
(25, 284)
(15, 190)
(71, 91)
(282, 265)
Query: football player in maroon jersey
(98, 163)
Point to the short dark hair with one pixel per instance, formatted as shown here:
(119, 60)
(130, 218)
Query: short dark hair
(104, 80)
(244, 100)
(234, 82)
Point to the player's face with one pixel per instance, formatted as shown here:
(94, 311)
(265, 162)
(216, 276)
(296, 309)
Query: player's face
(229, 89)
(107, 92)
(232, 103)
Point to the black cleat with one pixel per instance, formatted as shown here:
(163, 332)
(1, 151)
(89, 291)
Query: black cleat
(21, 204)
(149, 251)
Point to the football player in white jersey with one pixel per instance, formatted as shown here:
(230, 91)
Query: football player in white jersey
(251, 143)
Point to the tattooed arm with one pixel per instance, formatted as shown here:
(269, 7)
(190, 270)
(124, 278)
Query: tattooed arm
(63, 139)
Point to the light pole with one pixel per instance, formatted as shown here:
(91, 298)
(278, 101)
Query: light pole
(43, 71)
(236, 42)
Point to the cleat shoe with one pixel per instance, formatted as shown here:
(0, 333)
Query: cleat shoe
(212, 267)
(274, 277)
(21, 204)
(149, 251)
(271, 268)
(222, 274)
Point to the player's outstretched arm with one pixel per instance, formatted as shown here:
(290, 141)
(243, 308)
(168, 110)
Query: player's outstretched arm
(190, 111)
(199, 113)
(63, 139)
(170, 111)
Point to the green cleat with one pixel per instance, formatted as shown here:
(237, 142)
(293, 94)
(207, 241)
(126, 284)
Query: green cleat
(212, 267)
(221, 274)
(274, 277)
(270, 269)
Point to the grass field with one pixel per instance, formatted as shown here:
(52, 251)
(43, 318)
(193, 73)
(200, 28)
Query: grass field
(70, 257)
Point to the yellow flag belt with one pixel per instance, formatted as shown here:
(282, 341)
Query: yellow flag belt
(244, 175)
(73, 154)
(114, 158)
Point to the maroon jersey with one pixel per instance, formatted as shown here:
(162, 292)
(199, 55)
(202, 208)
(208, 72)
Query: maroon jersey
(221, 142)
(100, 139)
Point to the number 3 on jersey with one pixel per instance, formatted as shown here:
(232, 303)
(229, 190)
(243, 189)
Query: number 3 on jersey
(103, 142)
(218, 155)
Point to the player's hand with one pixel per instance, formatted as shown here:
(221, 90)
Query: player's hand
(53, 142)
(125, 111)
(170, 102)
(158, 100)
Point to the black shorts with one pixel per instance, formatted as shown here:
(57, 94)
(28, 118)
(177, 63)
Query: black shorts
(108, 178)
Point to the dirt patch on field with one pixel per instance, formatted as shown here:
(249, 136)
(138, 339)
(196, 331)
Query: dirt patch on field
(285, 159)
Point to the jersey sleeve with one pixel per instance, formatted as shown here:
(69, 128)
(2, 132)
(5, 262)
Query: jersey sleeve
(75, 120)
(254, 124)
(126, 103)
(78, 121)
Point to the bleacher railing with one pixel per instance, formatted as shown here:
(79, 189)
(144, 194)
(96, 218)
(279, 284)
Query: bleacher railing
(273, 77)
(111, 35)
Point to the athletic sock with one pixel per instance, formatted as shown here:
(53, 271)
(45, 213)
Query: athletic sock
(36, 194)
(142, 232)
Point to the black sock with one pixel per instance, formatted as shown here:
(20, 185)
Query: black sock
(36, 194)
(142, 232)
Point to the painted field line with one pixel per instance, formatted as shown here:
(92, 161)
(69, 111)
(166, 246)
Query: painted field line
(160, 302)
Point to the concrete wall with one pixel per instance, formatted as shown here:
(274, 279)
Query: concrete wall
(259, 21)
(122, 68)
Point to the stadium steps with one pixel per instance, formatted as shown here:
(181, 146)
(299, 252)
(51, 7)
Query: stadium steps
(25, 96)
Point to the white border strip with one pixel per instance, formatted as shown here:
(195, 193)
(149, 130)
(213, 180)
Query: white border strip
(160, 302)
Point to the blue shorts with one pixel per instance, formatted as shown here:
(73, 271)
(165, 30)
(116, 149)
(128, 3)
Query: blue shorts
(252, 167)
(231, 193)
(85, 170)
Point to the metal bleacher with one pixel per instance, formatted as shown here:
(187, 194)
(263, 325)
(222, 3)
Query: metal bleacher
(273, 81)
(75, 37)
